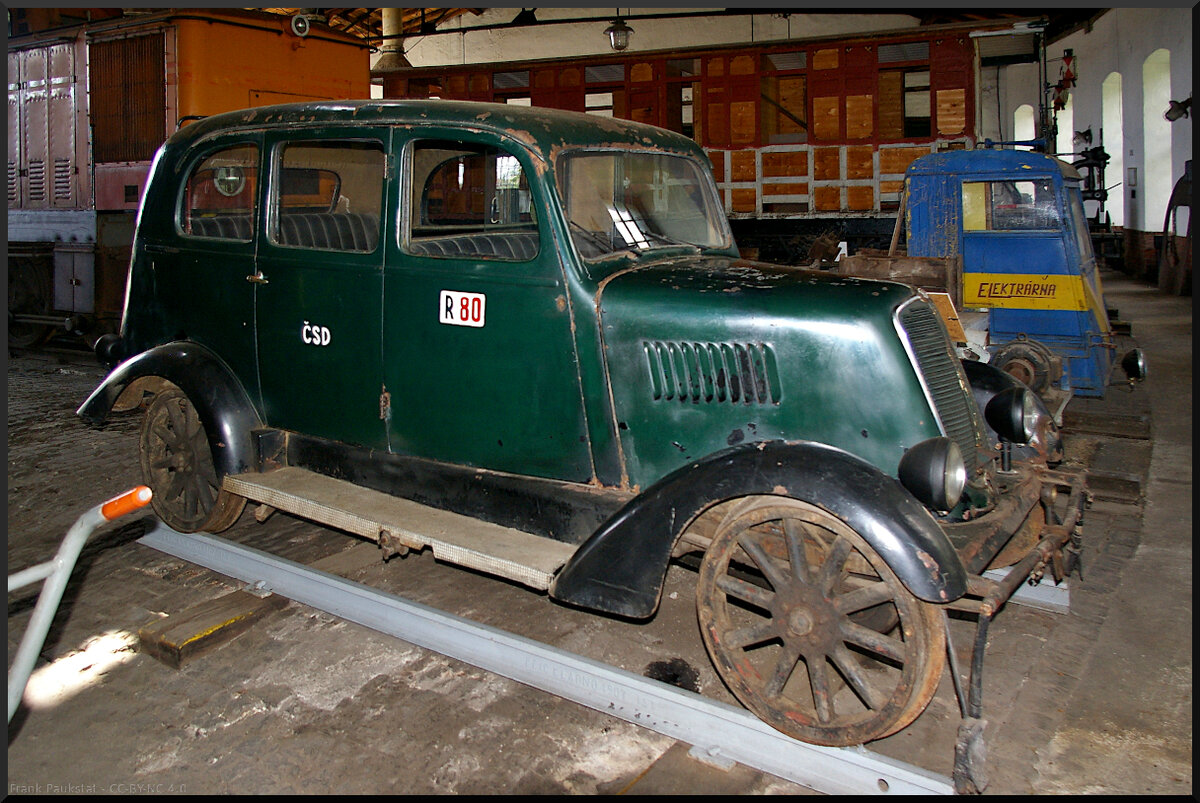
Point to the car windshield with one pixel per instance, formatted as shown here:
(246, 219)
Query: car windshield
(632, 201)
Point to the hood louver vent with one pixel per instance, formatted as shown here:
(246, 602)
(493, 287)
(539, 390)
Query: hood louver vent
(722, 373)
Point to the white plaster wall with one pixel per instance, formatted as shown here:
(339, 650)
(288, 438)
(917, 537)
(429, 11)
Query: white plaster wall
(462, 46)
(1120, 41)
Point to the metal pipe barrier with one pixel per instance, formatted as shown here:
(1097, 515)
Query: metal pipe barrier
(56, 572)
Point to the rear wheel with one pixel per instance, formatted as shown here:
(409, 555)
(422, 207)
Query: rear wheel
(786, 597)
(177, 464)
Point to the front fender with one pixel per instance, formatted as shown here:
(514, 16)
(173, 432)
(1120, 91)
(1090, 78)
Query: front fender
(620, 569)
(222, 403)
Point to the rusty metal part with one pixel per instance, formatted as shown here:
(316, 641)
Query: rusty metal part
(1017, 524)
(777, 595)
(979, 541)
(986, 597)
(1022, 541)
(1056, 536)
(391, 545)
(970, 757)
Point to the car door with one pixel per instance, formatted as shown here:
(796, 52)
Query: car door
(200, 268)
(479, 356)
(319, 284)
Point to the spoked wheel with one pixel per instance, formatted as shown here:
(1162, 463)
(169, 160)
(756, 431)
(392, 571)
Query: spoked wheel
(177, 464)
(787, 596)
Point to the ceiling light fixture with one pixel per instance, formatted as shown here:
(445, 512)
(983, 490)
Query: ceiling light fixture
(618, 33)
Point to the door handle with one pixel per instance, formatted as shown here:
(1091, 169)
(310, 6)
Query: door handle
(257, 278)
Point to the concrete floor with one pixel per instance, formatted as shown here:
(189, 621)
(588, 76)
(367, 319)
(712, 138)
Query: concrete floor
(1096, 701)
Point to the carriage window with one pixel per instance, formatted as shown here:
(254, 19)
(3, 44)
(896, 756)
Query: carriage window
(328, 196)
(470, 201)
(221, 194)
(1010, 205)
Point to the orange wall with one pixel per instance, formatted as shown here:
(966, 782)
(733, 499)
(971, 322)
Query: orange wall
(223, 67)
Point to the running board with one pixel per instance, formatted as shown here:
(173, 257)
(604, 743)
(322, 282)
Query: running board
(527, 559)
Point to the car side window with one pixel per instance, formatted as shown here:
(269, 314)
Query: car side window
(470, 201)
(221, 195)
(327, 196)
(1010, 205)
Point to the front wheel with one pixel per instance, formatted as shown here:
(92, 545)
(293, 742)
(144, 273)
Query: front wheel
(177, 464)
(781, 597)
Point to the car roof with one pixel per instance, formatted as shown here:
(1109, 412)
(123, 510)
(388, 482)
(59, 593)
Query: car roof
(990, 160)
(542, 129)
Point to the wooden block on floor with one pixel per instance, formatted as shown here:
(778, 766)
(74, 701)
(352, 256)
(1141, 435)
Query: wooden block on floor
(177, 639)
(350, 560)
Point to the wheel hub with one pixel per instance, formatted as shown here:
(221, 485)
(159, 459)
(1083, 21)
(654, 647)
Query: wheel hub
(800, 623)
(807, 615)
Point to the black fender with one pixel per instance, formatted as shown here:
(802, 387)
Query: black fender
(986, 381)
(222, 403)
(621, 567)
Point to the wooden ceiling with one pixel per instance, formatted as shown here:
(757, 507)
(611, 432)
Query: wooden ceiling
(367, 23)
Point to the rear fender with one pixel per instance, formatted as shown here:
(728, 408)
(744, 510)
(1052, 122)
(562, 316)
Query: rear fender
(224, 408)
(620, 569)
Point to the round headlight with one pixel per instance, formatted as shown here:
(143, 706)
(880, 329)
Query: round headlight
(110, 350)
(1134, 365)
(1013, 414)
(934, 472)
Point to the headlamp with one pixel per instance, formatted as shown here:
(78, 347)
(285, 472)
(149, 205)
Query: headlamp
(1013, 414)
(934, 472)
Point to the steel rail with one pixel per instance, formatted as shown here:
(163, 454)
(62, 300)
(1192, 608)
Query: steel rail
(719, 733)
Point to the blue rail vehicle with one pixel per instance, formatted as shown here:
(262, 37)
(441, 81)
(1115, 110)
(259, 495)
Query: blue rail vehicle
(1014, 220)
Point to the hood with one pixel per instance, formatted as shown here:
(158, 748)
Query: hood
(708, 352)
(740, 294)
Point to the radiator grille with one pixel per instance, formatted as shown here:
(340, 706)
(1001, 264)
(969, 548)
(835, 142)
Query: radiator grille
(945, 384)
(714, 373)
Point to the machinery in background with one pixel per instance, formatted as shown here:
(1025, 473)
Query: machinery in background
(1175, 249)
(1003, 233)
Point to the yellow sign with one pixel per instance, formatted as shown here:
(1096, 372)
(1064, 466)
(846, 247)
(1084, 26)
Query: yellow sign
(1024, 291)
